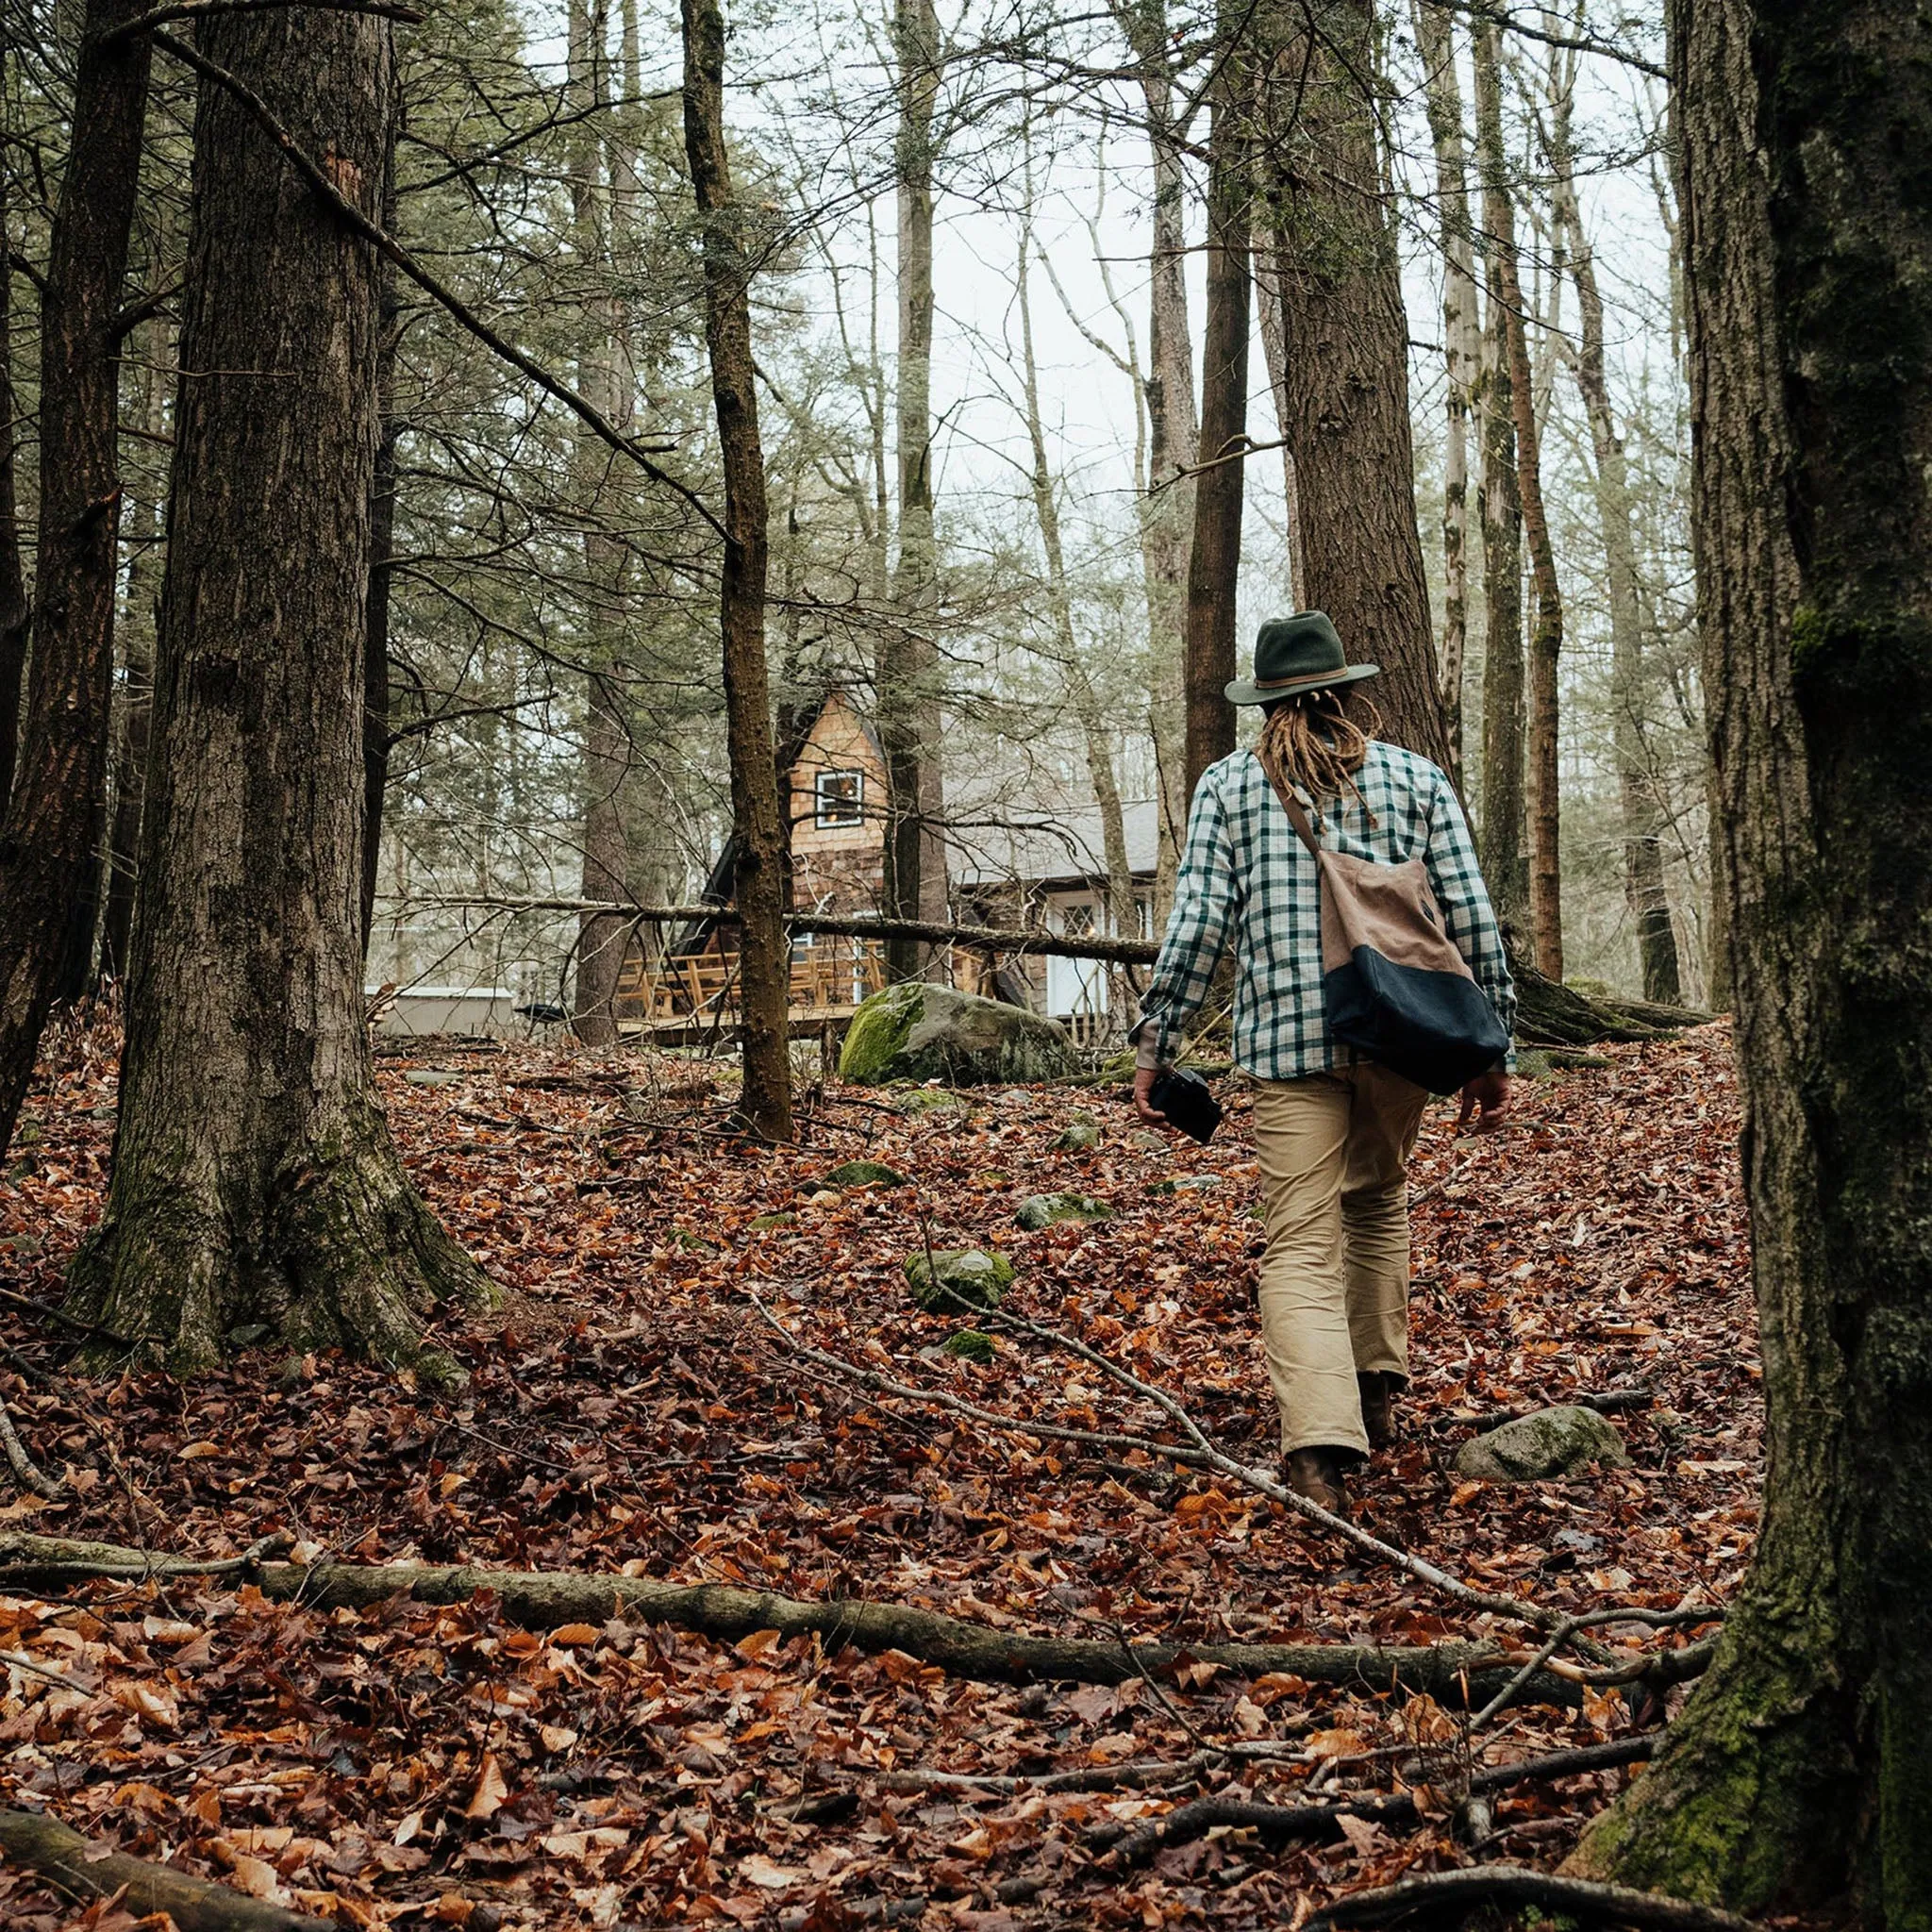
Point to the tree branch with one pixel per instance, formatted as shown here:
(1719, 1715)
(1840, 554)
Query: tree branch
(1442, 1892)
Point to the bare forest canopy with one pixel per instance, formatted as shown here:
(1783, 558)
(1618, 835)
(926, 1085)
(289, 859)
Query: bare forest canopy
(549, 718)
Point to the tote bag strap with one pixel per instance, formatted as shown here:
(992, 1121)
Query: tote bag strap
(1292, 807)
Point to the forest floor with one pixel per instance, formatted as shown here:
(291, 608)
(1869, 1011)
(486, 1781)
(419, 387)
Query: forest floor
(631, 1412)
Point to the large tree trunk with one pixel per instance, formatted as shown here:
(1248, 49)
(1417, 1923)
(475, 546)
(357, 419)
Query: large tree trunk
(377, 740)
(1797, 1773)
(13, 605)
(1643, 865)
(1500, 833)
(1167, 510)
(915, 867)
(50, 831)
(1461, 351)
(254, 1177)
(1546, 637)
(1214, 560)
(1347, 359)
(764, 955)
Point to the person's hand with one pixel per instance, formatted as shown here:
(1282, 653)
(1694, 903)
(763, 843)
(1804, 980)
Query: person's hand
(1485, 1103)
(1144, 1078)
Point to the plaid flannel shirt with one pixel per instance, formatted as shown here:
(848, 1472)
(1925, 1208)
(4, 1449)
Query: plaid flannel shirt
(1245, 875)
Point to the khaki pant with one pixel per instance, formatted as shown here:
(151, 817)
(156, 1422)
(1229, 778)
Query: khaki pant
(1334, 1154)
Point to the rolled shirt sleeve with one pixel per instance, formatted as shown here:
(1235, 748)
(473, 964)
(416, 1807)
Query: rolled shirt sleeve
(1467, 915)
(1197, 931)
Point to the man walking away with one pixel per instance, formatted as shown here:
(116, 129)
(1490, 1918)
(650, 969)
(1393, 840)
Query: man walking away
(1333, 1131)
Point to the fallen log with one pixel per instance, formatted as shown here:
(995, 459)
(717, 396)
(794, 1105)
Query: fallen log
(1442, 1892)
(1280, 1825)
(1461, 1674)
(81, 1871)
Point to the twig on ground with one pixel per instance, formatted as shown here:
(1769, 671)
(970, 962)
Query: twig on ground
(25, 1468)
(74, 1322)
(1441, 1891)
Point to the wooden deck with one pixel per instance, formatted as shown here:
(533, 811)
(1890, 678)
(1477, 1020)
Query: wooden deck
(684, 1002)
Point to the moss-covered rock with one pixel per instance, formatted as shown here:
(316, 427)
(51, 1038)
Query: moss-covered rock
(1078, 1135)
(971, 1344)
(1553, 1442)
(913, 1031)
(952, 1275)
(865, 1174)
(1048, 1210)
(759, 1223)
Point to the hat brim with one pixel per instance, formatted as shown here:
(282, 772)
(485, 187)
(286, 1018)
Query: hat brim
(1244, 691)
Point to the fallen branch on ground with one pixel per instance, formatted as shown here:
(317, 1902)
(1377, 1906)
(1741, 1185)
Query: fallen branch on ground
(27, 1471)
(1279, 1825)
(1457, 1674)
(1510, 1885)
(82, 1871)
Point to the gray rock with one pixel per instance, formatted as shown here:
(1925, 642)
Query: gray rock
(1553, 1442)
(434, 1077)
(1046, 1211)
(953, 1275)
(1145, 1140)
(1080, 1133)
(913, 1031)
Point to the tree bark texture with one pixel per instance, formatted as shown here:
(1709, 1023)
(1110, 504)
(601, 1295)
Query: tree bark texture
(1797, 1773)
(50, 830)
(1214, 559)
(1643, 865)
(1173, 437)
(376, 739)
(14, 603)
(1461, 351)
(254, 1177)
(764, 951)
(1500, 833)
(915, 867)
(1546, 636)
(1346, 340)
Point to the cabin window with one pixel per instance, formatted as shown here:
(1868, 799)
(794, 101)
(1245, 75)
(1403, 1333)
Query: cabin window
(841, 797)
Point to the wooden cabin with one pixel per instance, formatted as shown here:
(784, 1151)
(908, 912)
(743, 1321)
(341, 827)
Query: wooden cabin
(1041, 872)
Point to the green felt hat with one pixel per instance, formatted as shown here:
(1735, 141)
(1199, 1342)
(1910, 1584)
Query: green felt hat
(1293, 655)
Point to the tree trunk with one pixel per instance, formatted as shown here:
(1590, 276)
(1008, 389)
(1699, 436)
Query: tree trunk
(50, 832)
(602, 941)
(1643, 865)
(254, 1177)
(1214, 562)
(915, 867)
(1546, 637)
(1796, 1774)
(14, 603)
(1272, 328)
(376, 740)
(137, 632)
(764, 953)
(1173, 437)
(1500, 512)
(1461, 351)
(1346, 339)
(1088, 712)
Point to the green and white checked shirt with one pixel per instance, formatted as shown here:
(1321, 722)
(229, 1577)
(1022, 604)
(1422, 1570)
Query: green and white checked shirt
(1245, 877)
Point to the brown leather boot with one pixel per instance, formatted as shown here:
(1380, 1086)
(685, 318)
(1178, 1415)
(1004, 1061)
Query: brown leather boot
(1378, 1389)
(1316, 1473)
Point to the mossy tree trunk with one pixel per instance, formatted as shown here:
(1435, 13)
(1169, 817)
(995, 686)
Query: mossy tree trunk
(1797, 1773)
(255, 1182)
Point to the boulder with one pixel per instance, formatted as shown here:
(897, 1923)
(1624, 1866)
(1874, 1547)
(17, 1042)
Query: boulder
(1080, 1133)
(864, 1173)
(1553, 1442)
(952, 1275)
(913, 1031)
(1047, 1210)
(971, 1344)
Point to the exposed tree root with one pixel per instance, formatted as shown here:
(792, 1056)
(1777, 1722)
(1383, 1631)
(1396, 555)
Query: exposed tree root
(1280, 1825)
(1461, 1675)
(1549, 1014)
(82, 1871)
(1431, 1899)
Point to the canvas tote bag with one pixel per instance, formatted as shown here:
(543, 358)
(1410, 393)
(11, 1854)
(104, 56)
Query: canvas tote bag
(1396, 985)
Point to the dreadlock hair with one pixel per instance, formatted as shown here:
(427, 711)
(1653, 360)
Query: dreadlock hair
(1317, 741)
